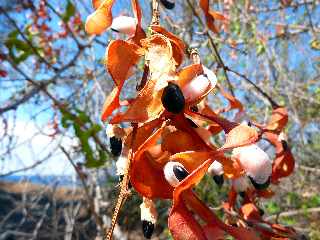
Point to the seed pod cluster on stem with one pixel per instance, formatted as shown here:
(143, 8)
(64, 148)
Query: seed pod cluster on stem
(168, 149)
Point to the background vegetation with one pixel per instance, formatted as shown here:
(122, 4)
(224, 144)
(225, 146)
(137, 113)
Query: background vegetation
(53, 84)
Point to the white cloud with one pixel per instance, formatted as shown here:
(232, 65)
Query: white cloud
(32, 145)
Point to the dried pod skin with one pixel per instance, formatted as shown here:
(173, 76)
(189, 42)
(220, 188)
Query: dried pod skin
(168, 4)
(172, 98)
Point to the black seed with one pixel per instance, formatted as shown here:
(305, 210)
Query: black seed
(284, 145)
(261, 211)
(249, 124)
(194, 108)
(219, 180)
(168, 4)
(116, 146)
(242, 194)
(259, 186)
(115, 30)
(180, 172)
(192, 123)
(147, 228)
(172, 98)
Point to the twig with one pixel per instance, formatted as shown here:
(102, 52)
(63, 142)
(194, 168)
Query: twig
(85, 187)
(293, 213)
(215, 49)
(272, 102)
(124, 191)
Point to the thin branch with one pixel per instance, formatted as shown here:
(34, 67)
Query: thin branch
(85, 187)
(293, 213)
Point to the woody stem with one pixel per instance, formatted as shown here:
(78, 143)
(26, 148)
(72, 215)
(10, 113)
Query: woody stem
(155, 13)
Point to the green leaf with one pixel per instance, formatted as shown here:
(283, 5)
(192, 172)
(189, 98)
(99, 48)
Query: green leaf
(70, 11)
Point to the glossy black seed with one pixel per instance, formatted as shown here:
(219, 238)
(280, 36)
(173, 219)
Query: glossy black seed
(180, 172)
(172, 98)
(261, 211)
(147, 229)
(116, 146)
(192, 123)
(260, 186)
(242, 194)
(194, 108)
(249, 124)
(219, 180)
(168, 4)
(284, 145)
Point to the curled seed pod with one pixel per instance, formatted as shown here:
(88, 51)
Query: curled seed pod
(116, 146)
(97, 22)
(168, 4)
(255, 162)
(124, 24)
(172, 98)
(174, 173)
(149, 217)
(216, 171)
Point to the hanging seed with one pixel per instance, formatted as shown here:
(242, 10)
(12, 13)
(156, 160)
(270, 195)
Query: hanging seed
(260, 186)
(219, 180)
(255, 162)
(284, 145)
(147, 229)
(180, 172)
(172, 98)
(216, 171)
(174, 172)
(124, 24)
(116, 146)
(168, 4)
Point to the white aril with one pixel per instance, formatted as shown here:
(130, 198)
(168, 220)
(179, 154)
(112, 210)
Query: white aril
(124, 24)
(199, 85)
(255, 162)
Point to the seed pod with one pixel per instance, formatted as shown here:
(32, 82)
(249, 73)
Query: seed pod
(255, 162)
(174, 172)
(97, 22)
(149, 217)
(124, 24)
(216, 171)
(168, 4)
(172, 98)
(116, 146)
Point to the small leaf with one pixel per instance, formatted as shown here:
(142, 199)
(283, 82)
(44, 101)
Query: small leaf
(70, 11)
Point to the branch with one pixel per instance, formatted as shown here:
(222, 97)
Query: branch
(85, 187)
(293, 213)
